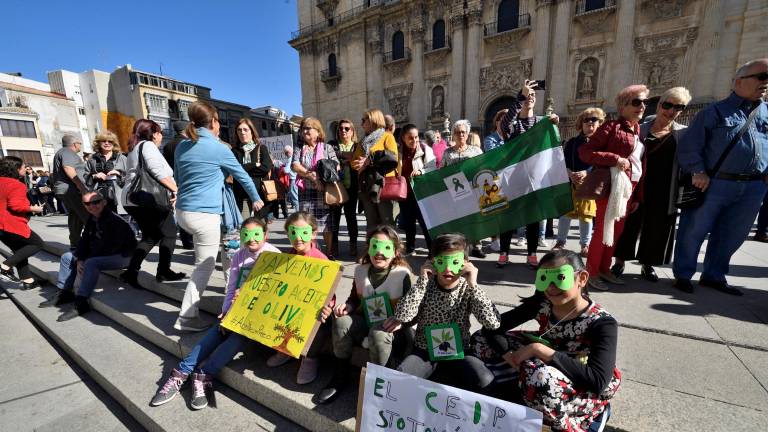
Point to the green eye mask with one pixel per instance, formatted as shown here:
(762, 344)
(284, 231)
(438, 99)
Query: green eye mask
(452, 262)
(563, 278)
(383, 247)
(304, 233)
(251, 234)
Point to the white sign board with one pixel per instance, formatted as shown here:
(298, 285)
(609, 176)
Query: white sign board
(394, 401)
(276, 144)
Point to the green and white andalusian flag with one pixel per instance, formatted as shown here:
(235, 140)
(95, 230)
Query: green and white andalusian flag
(521, 182)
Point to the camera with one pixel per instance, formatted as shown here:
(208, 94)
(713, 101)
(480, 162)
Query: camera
(539, 84)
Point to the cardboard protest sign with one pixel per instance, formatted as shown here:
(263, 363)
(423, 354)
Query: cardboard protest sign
(394, 401)
(280, 300)
(276, 144)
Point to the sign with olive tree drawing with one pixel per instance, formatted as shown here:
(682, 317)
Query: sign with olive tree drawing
(281, 299)
(444, 342)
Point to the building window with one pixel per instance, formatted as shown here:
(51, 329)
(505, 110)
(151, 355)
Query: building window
(263, 127)
(398, 45)
(183, 107)
(30, 157)
(156, 104)
(273, 126)
(81, 110)
(438, 34)
(17, 128)
(590, 5)
(509, 15)
(332, 65)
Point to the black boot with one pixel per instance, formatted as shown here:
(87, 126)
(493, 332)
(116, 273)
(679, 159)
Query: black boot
(61, 297)
(131, 278)
(81, 307)
(339, 380)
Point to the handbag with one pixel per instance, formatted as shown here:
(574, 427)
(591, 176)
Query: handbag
(44, 189)
(268, 187)
(691, 197)
(596, 185)
(335, 194)
(145, 191)
(395, 188)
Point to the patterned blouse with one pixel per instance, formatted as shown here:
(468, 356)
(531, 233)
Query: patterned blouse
(303, 154)
(452, 156)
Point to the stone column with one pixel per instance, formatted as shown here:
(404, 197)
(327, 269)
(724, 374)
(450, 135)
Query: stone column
(708, 54)
(472, 90)
(456, 81)
(417, 104)
(557, 82)
(541, 36)
(375, 77)
(623, 52)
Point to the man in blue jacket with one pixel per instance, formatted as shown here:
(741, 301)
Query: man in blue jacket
(733, 194)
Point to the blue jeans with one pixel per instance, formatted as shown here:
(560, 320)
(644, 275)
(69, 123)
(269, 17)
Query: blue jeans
(93, 266)
(727, 215)
(216, 349)
(564, 225)
(293, 194)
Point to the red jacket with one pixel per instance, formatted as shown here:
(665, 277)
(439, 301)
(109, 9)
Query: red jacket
(14, 207)
(615, 139)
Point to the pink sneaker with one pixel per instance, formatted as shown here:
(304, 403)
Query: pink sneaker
(502, 261)
(532, 261)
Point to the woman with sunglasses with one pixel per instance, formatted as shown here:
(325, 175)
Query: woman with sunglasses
(105, 170)
(615, 144)
(584, 210)
(345, 146)
(654, 221)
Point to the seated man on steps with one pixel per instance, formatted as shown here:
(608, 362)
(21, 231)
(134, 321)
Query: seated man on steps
(106, 244)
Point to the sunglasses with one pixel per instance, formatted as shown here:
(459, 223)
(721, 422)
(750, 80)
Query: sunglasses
(345, 129)
(669, 105)
(591, 120)
(636, 102)
(92, 202)
(762, 76)
(106, 142)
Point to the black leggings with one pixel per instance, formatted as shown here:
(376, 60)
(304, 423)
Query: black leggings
(156, 227)
(22, 248)
(350, 214)
(531, 238)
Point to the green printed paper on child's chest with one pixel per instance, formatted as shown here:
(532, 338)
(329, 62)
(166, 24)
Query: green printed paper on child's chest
(444, 342)
(377, 308)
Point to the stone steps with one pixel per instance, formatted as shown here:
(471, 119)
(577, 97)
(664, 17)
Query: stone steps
(149, 315)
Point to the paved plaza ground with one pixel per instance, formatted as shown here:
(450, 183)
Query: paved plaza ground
(690, 362)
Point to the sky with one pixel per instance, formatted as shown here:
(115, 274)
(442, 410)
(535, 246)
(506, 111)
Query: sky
(238, 48)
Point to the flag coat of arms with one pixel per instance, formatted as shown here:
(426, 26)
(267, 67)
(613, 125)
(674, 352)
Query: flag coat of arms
(521, 182)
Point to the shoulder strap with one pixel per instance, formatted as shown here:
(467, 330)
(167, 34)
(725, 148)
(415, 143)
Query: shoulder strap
(734, 140)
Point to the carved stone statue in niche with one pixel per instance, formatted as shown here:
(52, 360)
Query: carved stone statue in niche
(587, 78)
(438, 101)
(447, 124)
(654, 76)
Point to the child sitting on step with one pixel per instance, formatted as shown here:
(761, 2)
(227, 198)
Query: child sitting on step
(379, 282)
(440, 302)
(219, 345)
(301, 228)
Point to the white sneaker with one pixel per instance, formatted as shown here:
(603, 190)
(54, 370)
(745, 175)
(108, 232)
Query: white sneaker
(278, 359)
(520, 242)
(543, 243)
(495, 245)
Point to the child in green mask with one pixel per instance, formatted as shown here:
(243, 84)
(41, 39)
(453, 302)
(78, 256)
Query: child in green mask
(566, 369)
(379, 282)
(446, 293)
(301, 228)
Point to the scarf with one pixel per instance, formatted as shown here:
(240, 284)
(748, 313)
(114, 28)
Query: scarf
(371, 139)
(621, 191)
(247, 149)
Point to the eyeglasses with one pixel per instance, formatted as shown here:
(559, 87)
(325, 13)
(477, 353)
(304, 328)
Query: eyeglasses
(636, 102)
(92, 202)
(762, 76)
(306, 129)
(345, 129)
(670, 105)
(106, 142)
(591, 120)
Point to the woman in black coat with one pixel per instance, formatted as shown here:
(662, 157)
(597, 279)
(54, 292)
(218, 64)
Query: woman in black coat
(255, 160)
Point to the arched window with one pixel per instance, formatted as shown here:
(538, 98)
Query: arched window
(438, 34)
(398, 45)
(332, 65)
(591, 5)
(509, 15)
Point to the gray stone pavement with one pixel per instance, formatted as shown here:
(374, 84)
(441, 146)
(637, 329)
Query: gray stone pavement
(41, 391)
(689, 361)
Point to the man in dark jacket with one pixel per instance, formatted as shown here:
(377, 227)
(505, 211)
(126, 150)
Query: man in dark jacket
(107, 243)
(169, 151)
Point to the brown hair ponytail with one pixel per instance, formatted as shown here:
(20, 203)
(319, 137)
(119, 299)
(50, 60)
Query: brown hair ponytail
(201, 114)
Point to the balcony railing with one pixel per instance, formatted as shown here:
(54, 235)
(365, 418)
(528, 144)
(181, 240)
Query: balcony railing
(390, 57)
(340, 18)
(327, 74)
(494, 28)
(434, 45)
(588, 6)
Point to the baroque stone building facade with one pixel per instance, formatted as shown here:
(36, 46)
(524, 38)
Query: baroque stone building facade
(422, 59)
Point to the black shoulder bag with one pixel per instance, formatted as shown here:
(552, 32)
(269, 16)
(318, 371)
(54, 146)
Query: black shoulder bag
(691, 197)
(145, 190)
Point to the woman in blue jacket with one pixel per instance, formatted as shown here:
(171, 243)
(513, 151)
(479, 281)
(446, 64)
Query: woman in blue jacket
(201, 165)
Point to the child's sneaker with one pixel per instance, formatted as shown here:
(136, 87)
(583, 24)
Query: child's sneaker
(170, 389)
(503, 260)
(307, 371)
(201, 383)
(278, 359)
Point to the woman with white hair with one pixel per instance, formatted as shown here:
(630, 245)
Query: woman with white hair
(461, 151)
(654, 221)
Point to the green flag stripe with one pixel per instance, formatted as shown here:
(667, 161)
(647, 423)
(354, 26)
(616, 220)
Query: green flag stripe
(542, 136)
(539, 205)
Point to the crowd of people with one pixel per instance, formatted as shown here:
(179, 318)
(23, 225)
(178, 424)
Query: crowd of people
(631, 176)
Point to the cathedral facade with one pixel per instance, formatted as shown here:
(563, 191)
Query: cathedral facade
(425, 60)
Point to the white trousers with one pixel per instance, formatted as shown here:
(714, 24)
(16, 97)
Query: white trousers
(206, 235)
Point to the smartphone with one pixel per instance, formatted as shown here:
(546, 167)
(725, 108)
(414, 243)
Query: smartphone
(539, 85)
